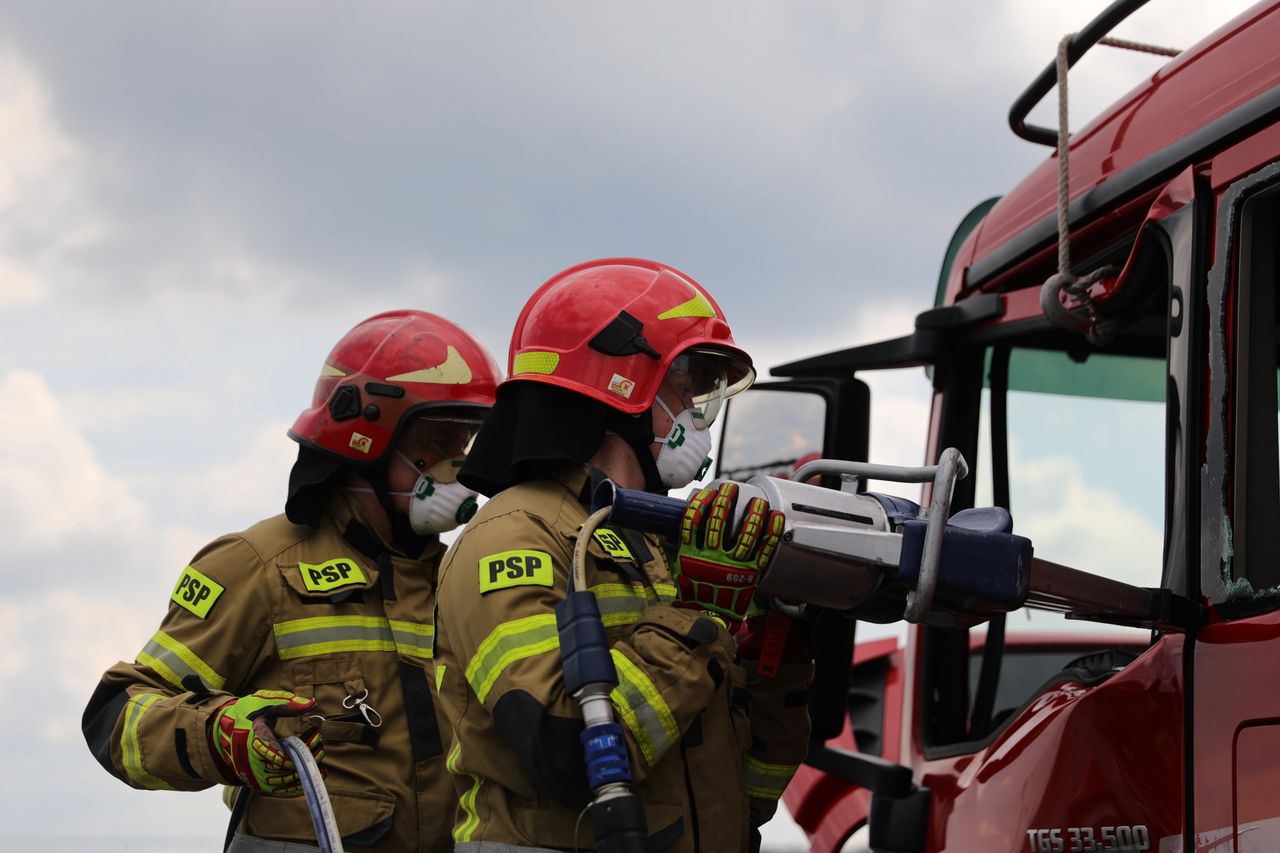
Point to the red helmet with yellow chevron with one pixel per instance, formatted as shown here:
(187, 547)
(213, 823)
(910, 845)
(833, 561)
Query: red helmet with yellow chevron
(611, 329)
(392, 367)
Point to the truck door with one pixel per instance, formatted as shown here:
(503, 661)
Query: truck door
(1236, 699)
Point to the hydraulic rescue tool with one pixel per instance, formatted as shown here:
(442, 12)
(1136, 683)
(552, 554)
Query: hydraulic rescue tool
(879, 556)
(883, 558)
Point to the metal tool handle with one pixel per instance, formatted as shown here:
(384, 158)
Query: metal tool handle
(317, 795)
(951, 467)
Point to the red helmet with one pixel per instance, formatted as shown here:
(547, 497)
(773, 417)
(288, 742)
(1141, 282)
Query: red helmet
(388, 368)
(610, 329)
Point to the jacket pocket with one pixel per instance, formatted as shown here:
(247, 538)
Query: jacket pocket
(334, 581)
(363, 818)
(330, 681)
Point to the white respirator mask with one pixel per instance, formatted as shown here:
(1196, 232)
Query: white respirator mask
(438, 502)
(685, 454)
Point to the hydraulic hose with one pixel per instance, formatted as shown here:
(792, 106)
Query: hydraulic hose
(617, 815)
(317, 796)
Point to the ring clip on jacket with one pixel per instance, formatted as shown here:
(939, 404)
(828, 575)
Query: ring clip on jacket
(370, 714)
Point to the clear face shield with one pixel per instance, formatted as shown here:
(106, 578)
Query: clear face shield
(437, 435)
(701, 381)
(692, 394)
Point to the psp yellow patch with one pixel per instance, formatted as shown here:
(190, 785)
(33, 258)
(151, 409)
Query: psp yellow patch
(612, 544)
(196, 592)
(331, 574)
(515, 568)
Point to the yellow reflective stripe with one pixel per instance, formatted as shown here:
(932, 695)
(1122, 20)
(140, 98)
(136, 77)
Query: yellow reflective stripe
(323, 635)
(439, 676)
(642, 709)
(666, 591)
(173, 662)
(535, 361)
(132, 749)
(471, 818)
(510, 642)
(414, 639)
(698, 306)
(767, 781)
(620, 603)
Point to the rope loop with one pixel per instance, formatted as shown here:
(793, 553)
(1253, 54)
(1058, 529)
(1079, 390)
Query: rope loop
(1099, 330)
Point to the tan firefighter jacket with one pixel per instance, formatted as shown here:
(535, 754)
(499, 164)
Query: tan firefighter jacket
(327, 613)
(710, 758)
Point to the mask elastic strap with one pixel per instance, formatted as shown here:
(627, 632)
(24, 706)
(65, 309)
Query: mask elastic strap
(660, 402)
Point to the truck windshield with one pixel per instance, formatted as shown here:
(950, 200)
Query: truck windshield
(1086, 465)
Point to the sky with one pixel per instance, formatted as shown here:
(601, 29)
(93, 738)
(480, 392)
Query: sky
(196, 202)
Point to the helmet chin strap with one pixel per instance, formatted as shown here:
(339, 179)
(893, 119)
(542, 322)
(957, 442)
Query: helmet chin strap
(637, 432)
(409, 543)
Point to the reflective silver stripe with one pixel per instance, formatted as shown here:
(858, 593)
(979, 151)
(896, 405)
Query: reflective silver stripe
(414, 639)
(324, 635)
(767, 781)
(173, 662)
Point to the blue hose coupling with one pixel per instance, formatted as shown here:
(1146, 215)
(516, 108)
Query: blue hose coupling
(606, 755)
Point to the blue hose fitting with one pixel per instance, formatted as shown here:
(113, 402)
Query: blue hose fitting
(606, 755)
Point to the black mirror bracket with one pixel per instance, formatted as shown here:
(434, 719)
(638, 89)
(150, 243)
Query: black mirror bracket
(899, 818)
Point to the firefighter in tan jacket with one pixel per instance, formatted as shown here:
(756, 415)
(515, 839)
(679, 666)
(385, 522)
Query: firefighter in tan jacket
(618, 368)
(318, 622)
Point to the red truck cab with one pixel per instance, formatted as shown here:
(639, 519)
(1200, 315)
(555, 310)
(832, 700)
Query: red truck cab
(1136, 444)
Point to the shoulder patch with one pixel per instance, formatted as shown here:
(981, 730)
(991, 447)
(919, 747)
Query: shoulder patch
(331, 574)
(196, 592)
(612, 544)
(515, 568)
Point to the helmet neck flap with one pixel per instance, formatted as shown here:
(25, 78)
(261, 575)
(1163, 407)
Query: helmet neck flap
(532, 426)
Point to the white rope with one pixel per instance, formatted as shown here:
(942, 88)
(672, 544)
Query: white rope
(1077, 288)
(1141, 47)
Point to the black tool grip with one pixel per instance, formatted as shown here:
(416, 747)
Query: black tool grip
(639, 510)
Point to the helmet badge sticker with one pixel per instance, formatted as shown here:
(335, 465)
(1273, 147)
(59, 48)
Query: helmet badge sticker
(330, 370)
(361, 442)
(622, 386)
(454, 370)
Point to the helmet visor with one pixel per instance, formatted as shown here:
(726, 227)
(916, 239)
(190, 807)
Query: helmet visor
(437, 435)
(702, 380)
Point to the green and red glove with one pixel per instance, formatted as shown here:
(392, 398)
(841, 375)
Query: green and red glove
(717, 568)
(243, 741)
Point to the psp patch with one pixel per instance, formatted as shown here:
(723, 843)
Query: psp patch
(515, 568)
(331, 574)
(196, 592)
(612, 544)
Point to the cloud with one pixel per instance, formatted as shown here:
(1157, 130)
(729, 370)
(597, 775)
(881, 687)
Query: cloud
(1074, 521)
(253, 485)
(55, 491)
(43, 212)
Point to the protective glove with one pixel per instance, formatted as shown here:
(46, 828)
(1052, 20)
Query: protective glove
(717, 571)
(243, 741)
